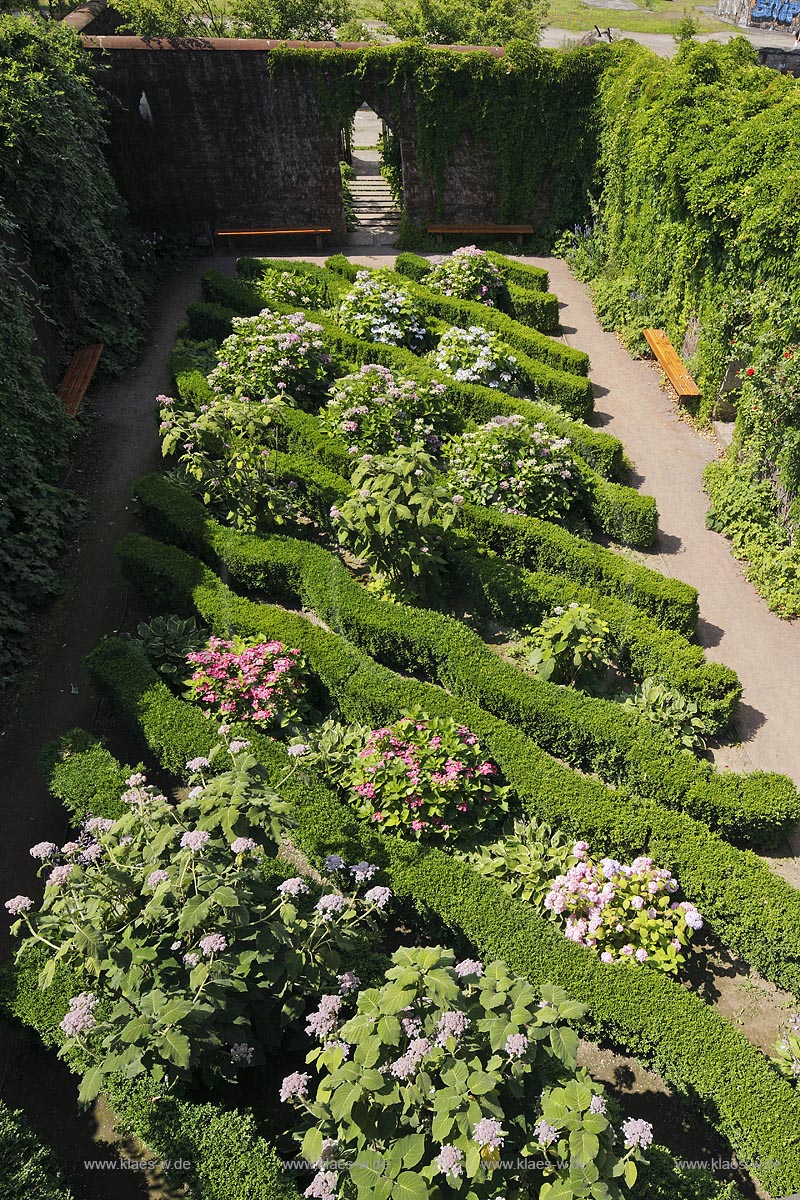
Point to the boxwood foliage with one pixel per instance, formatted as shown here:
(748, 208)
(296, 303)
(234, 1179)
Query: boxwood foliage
(84, 776)
(711, 1065)
(596, 735)
(28, 1167)
(524, 296)
(752, 910)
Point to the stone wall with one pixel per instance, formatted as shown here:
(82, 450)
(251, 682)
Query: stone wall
(201, 131)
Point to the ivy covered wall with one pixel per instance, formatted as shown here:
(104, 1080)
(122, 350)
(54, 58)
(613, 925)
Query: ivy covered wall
(247, 132)
(67, 269)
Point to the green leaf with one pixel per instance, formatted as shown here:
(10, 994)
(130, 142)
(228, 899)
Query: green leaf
(343, 1100)
(409, 1186)
(412, 1148)
(583, 1146)
(630, 1172)
(176, 1047)
(479, 1083)
(312, 1145)
(90, 1085)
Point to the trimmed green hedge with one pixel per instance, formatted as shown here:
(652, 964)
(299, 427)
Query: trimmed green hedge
(756, 913)
(84, 776)
(504, 592)
(525, 341)
(644, 1012)
(757, 809)
(28, 1168)
(528, 302)
(540, 545)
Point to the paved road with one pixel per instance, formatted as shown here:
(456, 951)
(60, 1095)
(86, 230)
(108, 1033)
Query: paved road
(664, 43)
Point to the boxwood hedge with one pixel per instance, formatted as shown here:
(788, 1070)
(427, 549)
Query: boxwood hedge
(643, 1012)
(756, 913)
(759, 808)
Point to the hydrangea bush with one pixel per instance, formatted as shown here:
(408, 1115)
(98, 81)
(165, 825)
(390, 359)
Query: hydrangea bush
(273, 355)
(468, 274)
(374, 411)
(574, 641)
(427, 775)
(395, 517)
(515, 466)
(247, 680)
(226, 452)
(377, 309)
(292, 287)
(625, 913)
(199, 950)
(453, 1079)
(476, 355)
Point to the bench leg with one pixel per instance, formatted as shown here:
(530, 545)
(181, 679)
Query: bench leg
(438, 239)
(318, 239)
(519, 239)
(231, 245)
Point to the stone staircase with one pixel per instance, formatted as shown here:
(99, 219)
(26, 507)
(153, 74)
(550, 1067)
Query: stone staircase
(375, 210)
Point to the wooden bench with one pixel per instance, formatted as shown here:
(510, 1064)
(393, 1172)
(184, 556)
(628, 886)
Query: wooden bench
(516, 230)
(78, 376)
(231, 234)
(671, 364)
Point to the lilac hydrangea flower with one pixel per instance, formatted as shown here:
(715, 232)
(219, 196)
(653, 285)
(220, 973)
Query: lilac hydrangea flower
(293, 887)
(195, 839)
(242, 1052)
(213, 943)
(244, 845)
(197, 764)
(363, 871)
(157, 877)
(597, 1105)
(18, 904)
(488, 1133)
(469, 966)
(191, 959)
(97, 825)
(298, 750)
(328, 906)
(324, 1020)
(237, 746)
(451, 1025)
(295, 1085)
(334, 862)
(516, 1045)
(348, 981)
(323, 1186)
(637, 1134)
(449, 1161)
(379, 896)
(59, 875)
(546, 1134)
(80, 1018)
(43, 850)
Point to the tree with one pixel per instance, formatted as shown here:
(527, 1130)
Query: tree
(315, 20)
(465, 22)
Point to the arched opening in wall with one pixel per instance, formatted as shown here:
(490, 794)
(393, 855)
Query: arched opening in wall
(372, 179)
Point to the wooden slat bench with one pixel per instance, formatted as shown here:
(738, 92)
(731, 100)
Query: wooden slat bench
(481, 230)
(78, 376)
(671, 364)
(231, 234)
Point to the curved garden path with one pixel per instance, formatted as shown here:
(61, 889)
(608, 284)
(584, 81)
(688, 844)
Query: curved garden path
(668, 458)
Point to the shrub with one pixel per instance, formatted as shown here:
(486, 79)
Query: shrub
(787, 1051)
(168, 639)
(85, 777)
(205, 915)
(27, 1167)
(669, 710)
(450, 1063)
(271, 355)
(394, 519)
(515, 467)
(468, 274)
(374, 411)
(424, 774)
(223, 453)
(574, 640)
(475, 355)
(303, 290)
(382, 312)
(248, 680)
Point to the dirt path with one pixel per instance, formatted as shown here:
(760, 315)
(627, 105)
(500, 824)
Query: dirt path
(668, 457)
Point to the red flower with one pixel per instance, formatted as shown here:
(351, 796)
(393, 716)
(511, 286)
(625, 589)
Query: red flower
(750, 371)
